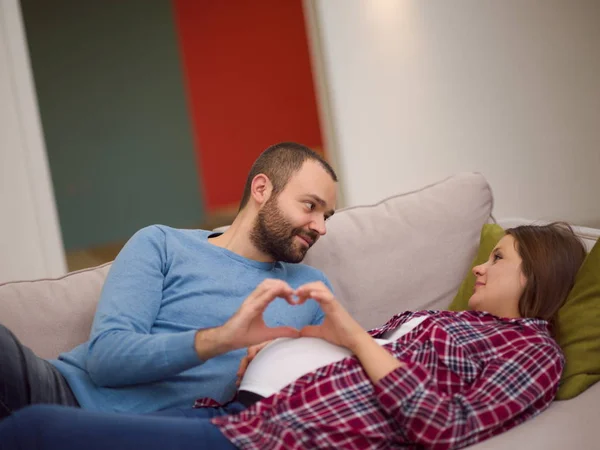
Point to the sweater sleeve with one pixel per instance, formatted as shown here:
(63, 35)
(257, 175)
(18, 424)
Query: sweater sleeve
(122, 351)
(508, 392)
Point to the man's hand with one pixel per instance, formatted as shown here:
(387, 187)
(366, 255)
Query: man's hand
(246, 360)
(339, 327)
(246, 327)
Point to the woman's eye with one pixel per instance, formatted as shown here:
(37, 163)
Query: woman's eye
(496, 257)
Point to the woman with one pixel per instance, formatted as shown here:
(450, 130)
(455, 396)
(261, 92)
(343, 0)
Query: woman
(434, 379)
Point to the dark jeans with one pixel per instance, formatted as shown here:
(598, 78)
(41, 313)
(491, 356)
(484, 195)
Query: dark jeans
(45, 427)
(26, 379)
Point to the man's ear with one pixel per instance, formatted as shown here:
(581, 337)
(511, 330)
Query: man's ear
(261, 188)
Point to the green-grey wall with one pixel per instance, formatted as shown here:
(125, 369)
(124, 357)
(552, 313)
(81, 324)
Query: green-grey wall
(111, 94)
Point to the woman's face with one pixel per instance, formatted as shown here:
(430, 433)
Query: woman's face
(499, 282)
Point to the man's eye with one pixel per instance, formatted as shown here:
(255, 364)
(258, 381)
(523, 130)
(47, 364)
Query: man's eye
(310, 205)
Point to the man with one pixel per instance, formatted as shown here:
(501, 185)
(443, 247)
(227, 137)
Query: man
(167, 329)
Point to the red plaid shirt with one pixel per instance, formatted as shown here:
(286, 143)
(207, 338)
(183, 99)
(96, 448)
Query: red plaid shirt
(466, 376)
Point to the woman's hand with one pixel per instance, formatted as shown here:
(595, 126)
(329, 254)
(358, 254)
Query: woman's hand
(246, 360)
(339, 327)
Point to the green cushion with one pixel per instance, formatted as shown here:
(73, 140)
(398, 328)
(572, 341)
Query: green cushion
(579, 329)
(578, 319)
(490, 235)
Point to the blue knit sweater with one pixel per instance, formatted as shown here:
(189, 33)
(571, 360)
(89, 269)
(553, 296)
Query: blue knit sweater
(164, 286)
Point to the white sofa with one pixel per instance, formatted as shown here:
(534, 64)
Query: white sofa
(407, 252)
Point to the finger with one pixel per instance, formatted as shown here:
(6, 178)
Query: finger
(260, 301)
(263, 345)
(302, 296)
(321, 296)
(264, 286)
(304, 292)
(277, 332)
(243, 366)
(312, 331)
(274, 283)
(267, 285)
(285, 291)
(312, 286)
(282, 290)
(252, 351)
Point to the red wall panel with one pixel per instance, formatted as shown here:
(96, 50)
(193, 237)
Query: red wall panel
(249, 83)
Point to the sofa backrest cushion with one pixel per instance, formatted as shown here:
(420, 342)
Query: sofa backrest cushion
(52, 316)
(407, 252)
(579, 329)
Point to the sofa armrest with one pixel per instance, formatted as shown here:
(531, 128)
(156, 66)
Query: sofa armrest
(564, 425)
(51, 316)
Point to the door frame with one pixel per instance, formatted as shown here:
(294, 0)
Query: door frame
(37, 217)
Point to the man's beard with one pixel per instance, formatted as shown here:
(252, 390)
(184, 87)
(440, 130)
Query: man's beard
(273, 234)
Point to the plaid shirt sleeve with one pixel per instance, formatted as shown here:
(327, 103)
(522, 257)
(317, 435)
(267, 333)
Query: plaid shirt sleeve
(520, 384)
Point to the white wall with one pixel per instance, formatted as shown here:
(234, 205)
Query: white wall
(30, 241)
(420, 90)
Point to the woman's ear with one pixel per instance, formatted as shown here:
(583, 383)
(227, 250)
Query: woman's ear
(522, 277)
(261, 188)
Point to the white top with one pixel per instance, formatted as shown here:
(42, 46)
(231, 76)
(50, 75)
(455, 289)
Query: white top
(285, 360)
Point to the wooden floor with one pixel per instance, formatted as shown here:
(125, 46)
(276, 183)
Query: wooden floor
(81, 259)
(91, 257)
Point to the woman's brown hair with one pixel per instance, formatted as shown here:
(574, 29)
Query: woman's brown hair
(552, 255)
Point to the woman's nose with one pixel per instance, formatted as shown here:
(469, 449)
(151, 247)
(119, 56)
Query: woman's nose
(479, 270)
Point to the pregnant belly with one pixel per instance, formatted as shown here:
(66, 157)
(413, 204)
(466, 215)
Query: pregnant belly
(285, 360)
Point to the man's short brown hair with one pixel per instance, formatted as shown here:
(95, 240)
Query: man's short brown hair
(279, 162)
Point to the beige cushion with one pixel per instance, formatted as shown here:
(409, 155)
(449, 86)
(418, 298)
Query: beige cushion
(407, 252)
(52, 316)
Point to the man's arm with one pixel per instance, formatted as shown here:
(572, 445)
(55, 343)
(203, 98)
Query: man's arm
(122, 351)
(247, 326)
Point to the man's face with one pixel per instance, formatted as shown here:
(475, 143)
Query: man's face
(290, 223)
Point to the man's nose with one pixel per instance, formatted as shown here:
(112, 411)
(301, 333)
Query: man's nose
(318, 225)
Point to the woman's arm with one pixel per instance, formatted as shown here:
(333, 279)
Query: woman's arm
(509, 390)
(375, 359)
